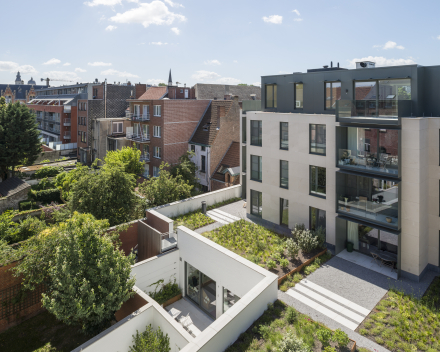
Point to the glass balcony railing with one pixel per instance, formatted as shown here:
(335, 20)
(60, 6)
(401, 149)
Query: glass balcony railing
(251, 105)
(378, 109)
(368, 198)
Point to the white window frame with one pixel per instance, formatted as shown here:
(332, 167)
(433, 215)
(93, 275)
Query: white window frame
(146, 110)
(119, 127)
(157, 152)
(157, 110)
(157, 131)
(156, 171)
(136, 110)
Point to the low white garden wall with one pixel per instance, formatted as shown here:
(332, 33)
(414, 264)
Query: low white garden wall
(192, 204)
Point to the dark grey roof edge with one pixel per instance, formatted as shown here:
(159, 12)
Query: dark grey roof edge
(200, 121)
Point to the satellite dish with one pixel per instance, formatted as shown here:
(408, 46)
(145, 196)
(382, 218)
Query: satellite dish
(363, 64)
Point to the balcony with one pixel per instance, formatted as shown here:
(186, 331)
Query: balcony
(373, 111)
(66, 122)
(251, 105)
(139, 137)
(145, 157)
(66, 135)
(370, 199)
(141, 117)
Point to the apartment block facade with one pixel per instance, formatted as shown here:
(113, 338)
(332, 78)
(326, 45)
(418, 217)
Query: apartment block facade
(355, 152)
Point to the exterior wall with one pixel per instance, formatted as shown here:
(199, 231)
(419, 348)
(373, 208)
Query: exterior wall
(179, 93)
(160, 222)
(103, 129)
(219, 91)
(194, 203)
(197, 159)
(299, 160)
(13, 200)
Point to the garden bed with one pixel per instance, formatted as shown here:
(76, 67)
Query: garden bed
(400, 322)
(267, 332)
(192, 220)
(260, 245)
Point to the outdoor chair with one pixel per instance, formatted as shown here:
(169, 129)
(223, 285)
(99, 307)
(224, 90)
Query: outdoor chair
(376, 259)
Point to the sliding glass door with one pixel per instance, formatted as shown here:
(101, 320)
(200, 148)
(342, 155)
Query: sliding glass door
(201, 289)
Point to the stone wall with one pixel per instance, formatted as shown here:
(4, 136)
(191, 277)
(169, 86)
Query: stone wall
(13, 200)
(219, 91)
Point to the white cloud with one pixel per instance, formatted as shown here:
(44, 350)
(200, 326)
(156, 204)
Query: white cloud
(99, 63)
(235, 61)
(228, 80)
(52, 62)
(80, 70)
(158, 43)
(155, 12)
(110, 28)
(26, 69)
(297, 12)
(155, 81)
(173, 4)
(8, 66)
(66, 64)
(297, 19)
(62, 75)
(176, 30)
(438, 37)
(257, 84)
(389, 45)
(212, 62)
(273, 19)
(123, 74)
(382, 61)
(103, 2)
(205, 75)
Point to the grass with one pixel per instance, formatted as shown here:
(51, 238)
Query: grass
(42, 333)
(279, 319)
(401, 322)
(193, 220)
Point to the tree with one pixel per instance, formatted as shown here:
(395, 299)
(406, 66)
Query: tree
(65, 180)
(107, 193)
(186, 168)
(162, 85)
(19, 137)
(165, 188)
(89, 277)
(128, 158)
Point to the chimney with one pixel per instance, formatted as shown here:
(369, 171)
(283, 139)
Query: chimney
(331, 64)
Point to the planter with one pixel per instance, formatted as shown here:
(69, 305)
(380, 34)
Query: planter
(172, 300)
(298, 269)
(350, 247)
(389, 220)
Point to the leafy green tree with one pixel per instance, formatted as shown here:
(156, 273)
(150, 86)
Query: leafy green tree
(65, 180)
(107, 193)
(89, 277)
(19, 137)
(128, 158)
(150, 340)
(186, 168)
(162, 85)
(165, 188)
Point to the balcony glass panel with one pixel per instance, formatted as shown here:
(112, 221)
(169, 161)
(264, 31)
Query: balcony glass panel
(373, 199)
(375, 150)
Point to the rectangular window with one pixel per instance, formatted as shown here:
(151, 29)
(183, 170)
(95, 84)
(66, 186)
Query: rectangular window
(136, 110)
(317, 219)
(317, 181)
(256, 168)
(146, 131)
(146, 173)
(203, 164)
(157, 110)
(193, 148)
(157, 152)
(284, 212)
(256, 132)
(203, 148)
(299, 96)
(146, 110)
(284, 135)
(317, 139)
(332, 94)
(256, 203)
(181, 91)
(156, 131)
(229, 299)
(156, 171)
(284, 174)
(271, 95)
(117, 127)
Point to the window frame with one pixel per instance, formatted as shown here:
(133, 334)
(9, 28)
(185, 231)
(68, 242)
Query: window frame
(274, 103)
(316, 134)
(203, 163)
(295, 95)
(331, 93)
(281, 136)
(259, 170)
(281, 174)
(282, 212)
(259, 136)
(157, 131)
(315, 192)
(157, 110)
(317, 213)
(157, 153)
(118, 124)
(193, 148)
(259, 197)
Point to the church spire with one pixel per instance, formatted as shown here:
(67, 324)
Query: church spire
(170, 80)
(18, 78)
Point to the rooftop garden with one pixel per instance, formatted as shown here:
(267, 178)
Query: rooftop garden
(193, 220)
(268, 249)
(282, 329)
(401, 322)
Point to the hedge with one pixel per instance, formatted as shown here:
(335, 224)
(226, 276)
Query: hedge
(27, 205)
(48, 171)
(46, 196)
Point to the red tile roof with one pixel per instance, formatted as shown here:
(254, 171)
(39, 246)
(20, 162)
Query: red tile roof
(153, 93)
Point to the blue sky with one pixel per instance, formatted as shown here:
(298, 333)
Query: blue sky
(209, 41)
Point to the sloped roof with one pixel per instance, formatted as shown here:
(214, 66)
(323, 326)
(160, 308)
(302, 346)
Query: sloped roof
(207, 129)
(154, 93)
(230, 163)
(20, 89)
(11, 186)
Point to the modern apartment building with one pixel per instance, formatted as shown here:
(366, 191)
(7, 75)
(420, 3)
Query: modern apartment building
(355, 152)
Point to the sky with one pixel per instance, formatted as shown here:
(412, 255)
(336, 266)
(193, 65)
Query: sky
(205, 41)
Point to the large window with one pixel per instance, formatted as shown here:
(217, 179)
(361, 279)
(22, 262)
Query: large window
(203, 163)
(284, 135)
(332, 94)
(157, 110)
(271, 95)
(317, 181)
(284, 174)
(299, 96)
(201, 289)
(256, 168)
(317, 219)
(284, 212)
(156, 131)
(317, 139)
(256, 203)
(256, 132)
(157, 152)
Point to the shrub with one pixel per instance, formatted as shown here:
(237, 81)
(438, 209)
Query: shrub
(363, 332)
(297, 230)
(46, 196)
(167, 291)
(277, 257)
(265, 331)
(329, 349)
(291, 315)
(27, 205)
(341, 338)
(307, 241)
(292, 248)
(291, 343)
(48, 171)
(150, 340)
(324, 335)
(271, 264)
(320, 233)
(284, 263)
(379, 340)
(44, 183)
(28, 228)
